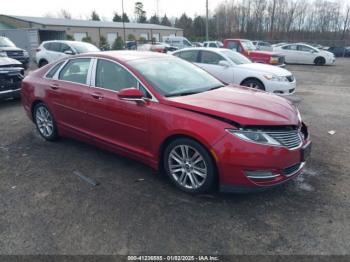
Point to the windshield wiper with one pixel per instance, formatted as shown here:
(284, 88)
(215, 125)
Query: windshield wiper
(183, 93)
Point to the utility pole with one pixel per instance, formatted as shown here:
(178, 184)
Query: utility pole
(207, 22)
(123, 20)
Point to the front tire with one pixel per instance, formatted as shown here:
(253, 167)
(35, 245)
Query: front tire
(189, 166)
(320, 61)
(254, 83)
(45, 122)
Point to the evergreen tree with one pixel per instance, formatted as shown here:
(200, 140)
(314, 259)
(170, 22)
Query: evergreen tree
(154, 20)
(140, 13)
(116, 17)
(165, 21)
(95, 16)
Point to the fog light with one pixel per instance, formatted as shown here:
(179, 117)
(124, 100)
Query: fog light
(260, 174)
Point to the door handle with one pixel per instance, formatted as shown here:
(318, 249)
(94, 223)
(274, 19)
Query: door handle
(97, 96)
(54, 86)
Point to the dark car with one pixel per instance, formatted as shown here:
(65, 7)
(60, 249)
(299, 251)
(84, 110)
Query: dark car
(340, 51)
(11, 75)
(9, 49)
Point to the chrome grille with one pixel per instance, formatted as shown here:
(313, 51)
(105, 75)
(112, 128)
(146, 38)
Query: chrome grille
(290, 139)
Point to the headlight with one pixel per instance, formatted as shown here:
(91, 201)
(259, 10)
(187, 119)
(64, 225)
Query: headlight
(276, 78)
(254, 136)
(3, 54)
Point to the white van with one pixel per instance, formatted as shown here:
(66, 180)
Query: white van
(177, 41)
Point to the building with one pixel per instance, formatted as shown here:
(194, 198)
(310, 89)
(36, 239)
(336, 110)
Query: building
(28, 32)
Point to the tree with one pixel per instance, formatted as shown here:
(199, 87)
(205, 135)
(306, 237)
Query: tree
(117, 18)
(140, 13)
(70, 37)
(63, 13)
(199, 26)
(95, 16)
(87, 39)
(154, 20)
(104, 44)
(185, 23)
(131, 37)
(125, 18)
(165, 21)
(118, 44)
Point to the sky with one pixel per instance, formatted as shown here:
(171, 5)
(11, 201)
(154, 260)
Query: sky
(81, 9)
(105, 8)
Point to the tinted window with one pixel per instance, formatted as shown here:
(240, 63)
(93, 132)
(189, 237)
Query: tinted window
(76, 71)
(212, 45)
(81, 47)
(210, 58)
(190, 56)
(53, 70)
(55, 47)
(111, 76)
(236, 57)
(47, 46)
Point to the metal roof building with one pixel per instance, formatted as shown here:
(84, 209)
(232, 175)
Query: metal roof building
(42, 29)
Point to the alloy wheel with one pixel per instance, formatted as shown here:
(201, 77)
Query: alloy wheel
(187, 166)
(44, 121)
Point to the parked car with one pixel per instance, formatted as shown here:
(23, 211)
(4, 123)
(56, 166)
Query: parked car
(247, 48)
(9, 49)
(232, 67)
(152, 47)
(278, 44)
(50, 51)
(177, 41)
(197, 44)
(171, 115)
(299, 53)
(11, 75)
(263, 46)
(215, 44)
(340, 51)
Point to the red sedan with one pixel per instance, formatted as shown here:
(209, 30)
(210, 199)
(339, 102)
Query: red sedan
(172, 116)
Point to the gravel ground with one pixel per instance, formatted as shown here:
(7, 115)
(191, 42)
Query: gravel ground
(46, 208)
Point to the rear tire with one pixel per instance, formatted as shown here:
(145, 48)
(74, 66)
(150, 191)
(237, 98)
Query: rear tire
(253, 83)
(45, 122)
(189, 166)
(320, 61)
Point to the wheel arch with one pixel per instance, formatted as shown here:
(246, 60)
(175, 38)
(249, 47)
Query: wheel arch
(172, 138)
(253, 78)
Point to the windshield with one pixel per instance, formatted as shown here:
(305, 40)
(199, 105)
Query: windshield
(172, 76)
(5, 42)
(248, 45)
(235, 57)
(81, 47)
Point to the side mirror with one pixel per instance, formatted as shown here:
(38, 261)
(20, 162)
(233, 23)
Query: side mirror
(69, 52)
(131, 94)
(224, 63)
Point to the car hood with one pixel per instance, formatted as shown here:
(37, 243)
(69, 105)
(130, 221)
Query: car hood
(265, 68)
(10, 48)
(245, 106)
(326, 53)
(6, 61)
(264, 53)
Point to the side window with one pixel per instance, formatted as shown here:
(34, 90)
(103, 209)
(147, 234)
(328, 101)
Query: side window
(56, 47)
(65, 48)
(190, 56)
(111, 76)
(47, 46)
(304, 48)
(53, 70)
(210, 58)
(290, 47)
(233, 46)
(76, 70)
(212, 45)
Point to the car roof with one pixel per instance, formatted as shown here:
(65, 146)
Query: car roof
(64, 41)
(125, 55)
(213, 49)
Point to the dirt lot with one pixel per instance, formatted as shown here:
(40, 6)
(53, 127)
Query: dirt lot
(45, 208)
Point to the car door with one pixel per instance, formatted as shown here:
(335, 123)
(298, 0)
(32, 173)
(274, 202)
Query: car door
(112, 121)
(54, 52)
(209, 61)
(65, 93)
(291, 53)
(306, 54)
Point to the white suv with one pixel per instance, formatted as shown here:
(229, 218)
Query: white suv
(50, 51)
